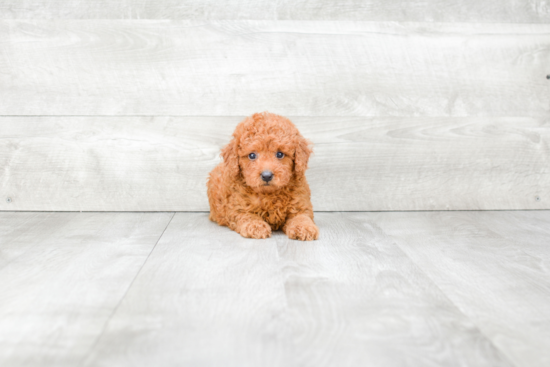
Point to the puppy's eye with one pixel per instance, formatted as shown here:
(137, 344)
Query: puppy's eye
(252, 156)
(280, 155)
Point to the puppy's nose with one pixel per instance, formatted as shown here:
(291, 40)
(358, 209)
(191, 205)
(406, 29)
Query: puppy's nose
(267, 176)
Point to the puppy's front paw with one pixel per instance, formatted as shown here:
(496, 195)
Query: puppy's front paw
(302, 230)
(255, 229)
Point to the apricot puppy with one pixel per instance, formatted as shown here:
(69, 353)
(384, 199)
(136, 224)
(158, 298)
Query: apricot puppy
(261, 185)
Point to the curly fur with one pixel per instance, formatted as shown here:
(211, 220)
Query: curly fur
(238, 197)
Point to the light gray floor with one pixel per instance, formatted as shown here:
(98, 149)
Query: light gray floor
(173, 289)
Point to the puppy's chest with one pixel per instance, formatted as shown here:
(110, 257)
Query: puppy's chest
(272, 209)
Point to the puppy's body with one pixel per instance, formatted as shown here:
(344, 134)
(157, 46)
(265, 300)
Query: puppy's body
(229, 199)
(241, 197)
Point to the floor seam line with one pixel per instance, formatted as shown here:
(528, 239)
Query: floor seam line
(417, 266)
(102, 332)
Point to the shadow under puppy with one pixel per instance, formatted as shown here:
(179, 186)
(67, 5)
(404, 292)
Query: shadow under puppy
(261, 185)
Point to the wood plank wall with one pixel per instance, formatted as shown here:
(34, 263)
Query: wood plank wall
(484, 11)
(411, 105)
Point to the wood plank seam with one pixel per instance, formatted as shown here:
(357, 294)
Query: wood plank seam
(446, 296)
(98, 338)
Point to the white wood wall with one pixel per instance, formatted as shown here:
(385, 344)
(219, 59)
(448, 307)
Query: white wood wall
(411, 105)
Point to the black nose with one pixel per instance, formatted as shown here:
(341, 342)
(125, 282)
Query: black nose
(267, 176)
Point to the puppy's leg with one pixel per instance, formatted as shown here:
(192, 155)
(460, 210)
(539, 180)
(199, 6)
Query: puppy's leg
(251, 226)
(301, 227)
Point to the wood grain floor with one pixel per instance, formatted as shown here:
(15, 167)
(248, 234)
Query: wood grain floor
(173, 289)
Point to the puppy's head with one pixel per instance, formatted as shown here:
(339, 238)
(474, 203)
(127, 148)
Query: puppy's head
(268, 151)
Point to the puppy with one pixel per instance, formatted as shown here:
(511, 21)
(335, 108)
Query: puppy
(261, 185)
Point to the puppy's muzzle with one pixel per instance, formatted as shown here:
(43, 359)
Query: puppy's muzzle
(267, 176)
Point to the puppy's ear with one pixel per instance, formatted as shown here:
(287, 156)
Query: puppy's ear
(303, 151)
(231, 158)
